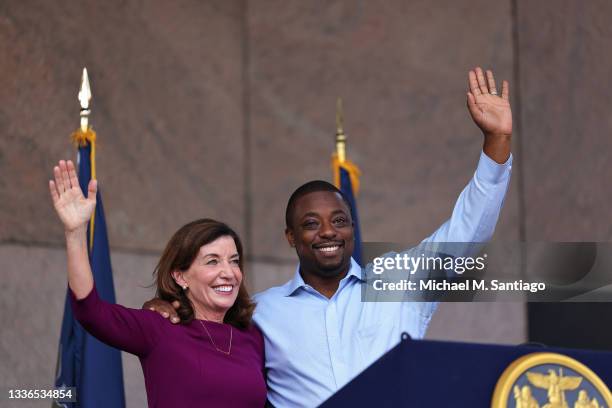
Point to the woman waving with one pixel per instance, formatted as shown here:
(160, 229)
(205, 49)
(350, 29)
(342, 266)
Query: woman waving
(214, 358)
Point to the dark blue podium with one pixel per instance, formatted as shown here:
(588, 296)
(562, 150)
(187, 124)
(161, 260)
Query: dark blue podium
(446, 374)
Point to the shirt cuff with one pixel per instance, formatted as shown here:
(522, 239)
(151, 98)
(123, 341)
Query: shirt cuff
(492, 172)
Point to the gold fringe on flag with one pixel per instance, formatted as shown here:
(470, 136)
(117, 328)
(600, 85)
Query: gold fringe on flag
(352, 170)
(80, 139)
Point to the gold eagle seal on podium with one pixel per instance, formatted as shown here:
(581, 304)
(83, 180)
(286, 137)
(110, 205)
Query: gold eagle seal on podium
(550, 380)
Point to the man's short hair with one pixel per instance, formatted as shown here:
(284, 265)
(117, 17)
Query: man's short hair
(307, 188)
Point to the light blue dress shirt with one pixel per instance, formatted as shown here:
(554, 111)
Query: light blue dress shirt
(315, 345)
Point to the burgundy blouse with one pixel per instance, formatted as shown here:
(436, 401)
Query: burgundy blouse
(182, 368)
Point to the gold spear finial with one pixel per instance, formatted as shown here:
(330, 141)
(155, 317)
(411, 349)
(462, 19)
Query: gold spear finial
(340, 136)
(84, 98)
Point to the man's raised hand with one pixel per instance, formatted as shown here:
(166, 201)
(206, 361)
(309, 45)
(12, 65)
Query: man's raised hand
(491, 112)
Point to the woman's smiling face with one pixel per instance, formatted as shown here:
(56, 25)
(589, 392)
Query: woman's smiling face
(213, 279)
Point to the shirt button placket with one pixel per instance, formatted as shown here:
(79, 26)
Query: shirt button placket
(332, 327)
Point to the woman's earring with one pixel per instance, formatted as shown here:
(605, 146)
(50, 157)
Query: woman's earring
(185, 287)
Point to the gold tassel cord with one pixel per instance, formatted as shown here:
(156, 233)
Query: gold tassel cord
(80, 139)
(350, 167)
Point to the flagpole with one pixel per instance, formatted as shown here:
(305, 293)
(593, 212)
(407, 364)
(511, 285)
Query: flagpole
(339, 159)
(340, 136)
(346, 177)
(84, 99)
(85, 135)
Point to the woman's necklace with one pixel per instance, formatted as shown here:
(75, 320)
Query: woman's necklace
(229, 350)
(213, 342)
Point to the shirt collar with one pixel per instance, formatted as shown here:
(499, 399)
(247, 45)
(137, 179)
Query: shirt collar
(297, 282)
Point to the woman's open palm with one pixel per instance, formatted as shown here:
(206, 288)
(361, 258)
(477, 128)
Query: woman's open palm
(72, 207)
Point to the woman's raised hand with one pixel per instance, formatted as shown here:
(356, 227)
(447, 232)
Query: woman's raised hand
(73, 209)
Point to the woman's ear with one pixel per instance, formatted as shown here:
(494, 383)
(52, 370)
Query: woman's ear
(179, 279)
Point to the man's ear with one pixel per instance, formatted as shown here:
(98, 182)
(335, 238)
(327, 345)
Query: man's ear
(290, 237)
(178, 278)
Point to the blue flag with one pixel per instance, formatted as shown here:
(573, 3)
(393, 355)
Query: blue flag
(346, 186)
(346, 178)
(83, 361)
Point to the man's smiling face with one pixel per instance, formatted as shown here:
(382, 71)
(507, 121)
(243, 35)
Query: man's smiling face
(322, 233)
